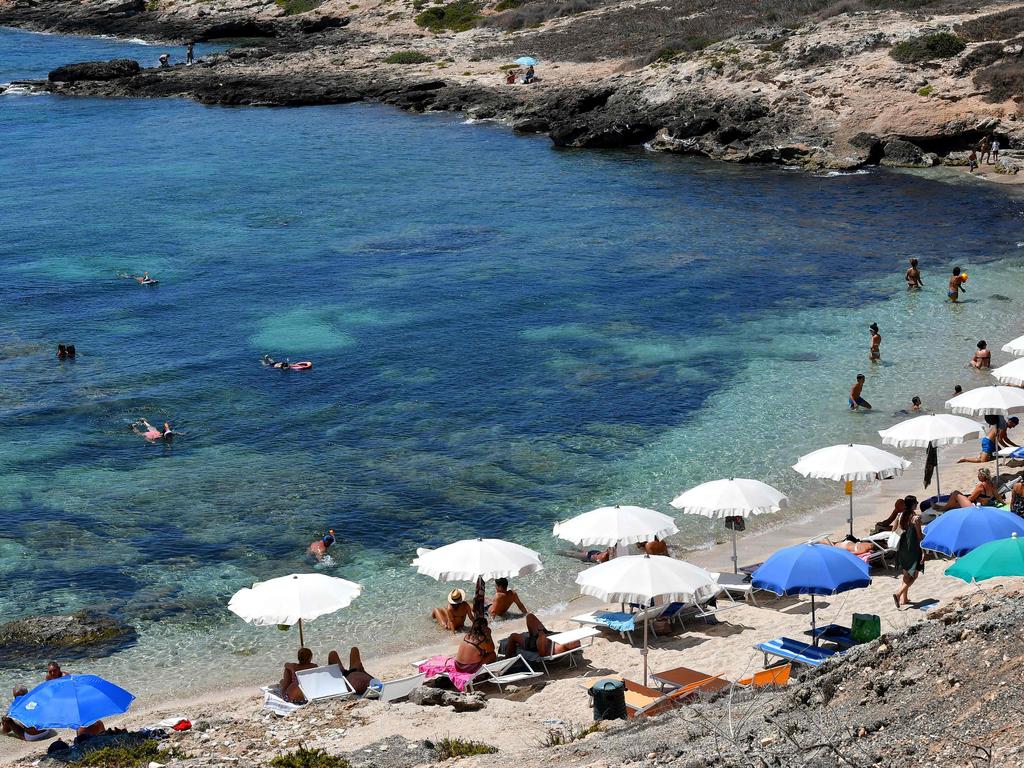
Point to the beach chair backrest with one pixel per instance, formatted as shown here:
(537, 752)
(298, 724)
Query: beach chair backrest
(395, 690)
(775, 676)
(323, 683)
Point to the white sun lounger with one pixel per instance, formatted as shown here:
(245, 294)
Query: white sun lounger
(564, 638)
(396, 690)
(733, 584)
(273, 702)
(324, 683)
(497, 672)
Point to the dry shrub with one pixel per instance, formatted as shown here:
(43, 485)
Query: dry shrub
(995, 26)
(1002, 81)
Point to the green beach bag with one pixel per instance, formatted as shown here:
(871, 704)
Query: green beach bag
(865, 627)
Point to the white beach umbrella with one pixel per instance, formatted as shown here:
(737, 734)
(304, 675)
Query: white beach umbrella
(642, 578)
(931, 429)
(735, 497)
(293, 599)
(609, 526)
(1015, 347)
(850, 463)
(1011, 374)
(989, 401)
(473, 559)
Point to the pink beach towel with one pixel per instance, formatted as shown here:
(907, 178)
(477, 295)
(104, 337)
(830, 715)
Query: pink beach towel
(459, 674)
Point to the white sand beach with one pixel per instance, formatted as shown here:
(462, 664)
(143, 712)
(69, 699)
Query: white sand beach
(231, 723)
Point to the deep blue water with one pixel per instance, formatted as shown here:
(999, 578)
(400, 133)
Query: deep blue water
(503, 335)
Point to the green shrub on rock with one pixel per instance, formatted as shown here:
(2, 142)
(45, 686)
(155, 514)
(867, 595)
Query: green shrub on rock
(939, 45)
(457, 16)
(294, 7)
(407, 57)
(309, 758)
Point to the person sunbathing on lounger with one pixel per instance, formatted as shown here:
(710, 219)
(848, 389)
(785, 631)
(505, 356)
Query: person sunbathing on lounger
(536, 638)
(504, 598)
(855, 546)
(477, 646)
(356, 674)
(289, 684)
(985, 493)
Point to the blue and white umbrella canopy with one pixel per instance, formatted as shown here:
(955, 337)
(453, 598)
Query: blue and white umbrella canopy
(812, 569)
(71, 701)
(958, 531)
(526, 61)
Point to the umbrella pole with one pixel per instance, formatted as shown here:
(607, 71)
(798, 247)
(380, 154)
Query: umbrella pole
(814, 626)
(645, 650)
(851, 509)
(938, 485)
(302, 640)
(735, 560)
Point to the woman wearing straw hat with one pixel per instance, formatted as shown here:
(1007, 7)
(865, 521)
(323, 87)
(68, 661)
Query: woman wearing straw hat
(453, 616)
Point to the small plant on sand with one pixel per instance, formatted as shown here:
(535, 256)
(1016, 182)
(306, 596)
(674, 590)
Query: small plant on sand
(127, 755)
(309, 758)
(457, 16)
(940, 45)
(507, 5)
(407, 57)
(567, 733)
(293, 7)
(448, 747)
(928, 90)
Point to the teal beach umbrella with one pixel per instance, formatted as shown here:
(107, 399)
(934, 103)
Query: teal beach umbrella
(1003, 557)
(526, 61)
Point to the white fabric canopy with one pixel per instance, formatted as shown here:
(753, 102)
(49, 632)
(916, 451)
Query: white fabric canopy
(609, 526)
(850, 462)
(932, 429)
(641, 578)
(290, 599)
(1012, 373)
(988, 401)
(724, 498)
(472, 559)
(1015, 347)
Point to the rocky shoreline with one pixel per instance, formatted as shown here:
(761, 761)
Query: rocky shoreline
(736, 101)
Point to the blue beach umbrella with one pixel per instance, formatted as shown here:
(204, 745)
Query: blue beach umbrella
(958, 531)
(71, 701)
(811, 569)
(526, 61)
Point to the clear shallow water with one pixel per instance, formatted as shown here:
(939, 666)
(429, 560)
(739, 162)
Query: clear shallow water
(503, 335)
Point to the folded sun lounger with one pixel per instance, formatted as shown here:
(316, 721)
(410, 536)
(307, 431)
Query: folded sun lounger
(795, 651)
(324, 683)
(642, 701)
(396, 690)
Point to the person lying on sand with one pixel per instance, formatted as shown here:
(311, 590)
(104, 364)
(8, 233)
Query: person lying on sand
(453, 616)
(289, 684)
(356, 674)
(536, 638)
(989, 447)
(88, 731)
(985, 493)
(13, 728)
(504, 598)
(318, 548)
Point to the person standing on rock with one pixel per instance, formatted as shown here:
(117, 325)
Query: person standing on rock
(165, 59)
(985, 148)
(995, 150)
(913, 277)
(188, 53)
(972, 161)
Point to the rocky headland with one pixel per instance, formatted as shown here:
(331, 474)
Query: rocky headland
(822, 86)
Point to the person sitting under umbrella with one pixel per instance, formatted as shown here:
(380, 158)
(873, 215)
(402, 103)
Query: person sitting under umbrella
(12, 727)
(535, 639)
(289, 685)
(477, 646)
(453, 616)
(530, 75)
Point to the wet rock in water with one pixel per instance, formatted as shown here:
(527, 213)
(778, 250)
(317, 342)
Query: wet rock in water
(95, 70)
(75, 635)
(426, 696)
(897, 153)
(999, 297)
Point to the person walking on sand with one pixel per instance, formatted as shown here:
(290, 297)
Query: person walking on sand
(983, 357)
(909, 555)
(913, 277)
(956, 285)
(856, 401)
(875, 354)
(985, 148)
(189, 51)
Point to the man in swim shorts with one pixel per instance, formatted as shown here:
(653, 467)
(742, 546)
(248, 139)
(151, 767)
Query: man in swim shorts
(318, 548)
(913, 277)
(536, 639)
(956, 285)
(856, 401)
(504, 598)
(983, 357)
(989, 447)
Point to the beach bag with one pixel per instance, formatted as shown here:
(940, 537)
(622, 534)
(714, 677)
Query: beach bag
(662, 626)
(865, 627)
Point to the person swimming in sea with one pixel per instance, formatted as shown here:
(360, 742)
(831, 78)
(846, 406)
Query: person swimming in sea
(318, 549)
(956, 285)
(913, 277)
(151, 433)
(281, 365)
(143, 279)
(875, 354)
(856, 401)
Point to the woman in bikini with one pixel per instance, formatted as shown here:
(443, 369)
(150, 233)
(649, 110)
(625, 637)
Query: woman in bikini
(985, 493)
(476, 648)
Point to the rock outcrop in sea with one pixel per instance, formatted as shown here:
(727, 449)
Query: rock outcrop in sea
(78, 634)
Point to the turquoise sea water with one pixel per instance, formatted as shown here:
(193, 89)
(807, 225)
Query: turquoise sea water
(503, 335)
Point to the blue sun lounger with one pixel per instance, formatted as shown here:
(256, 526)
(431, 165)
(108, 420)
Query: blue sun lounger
(834, 633)
(795, 651)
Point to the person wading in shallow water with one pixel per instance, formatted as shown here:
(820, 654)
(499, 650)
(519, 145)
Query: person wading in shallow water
(856, 401)
(875, 353)
(913, 277)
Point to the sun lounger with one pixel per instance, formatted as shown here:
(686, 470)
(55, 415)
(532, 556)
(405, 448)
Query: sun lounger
(499, 672)
(396, 690)
(734, 584)
(794, 651)
(621, 622)
(773, 677)
(680, 677)
(273, 702)
(642, 701)
(578, 635)
(324, 683)
(833, 633)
